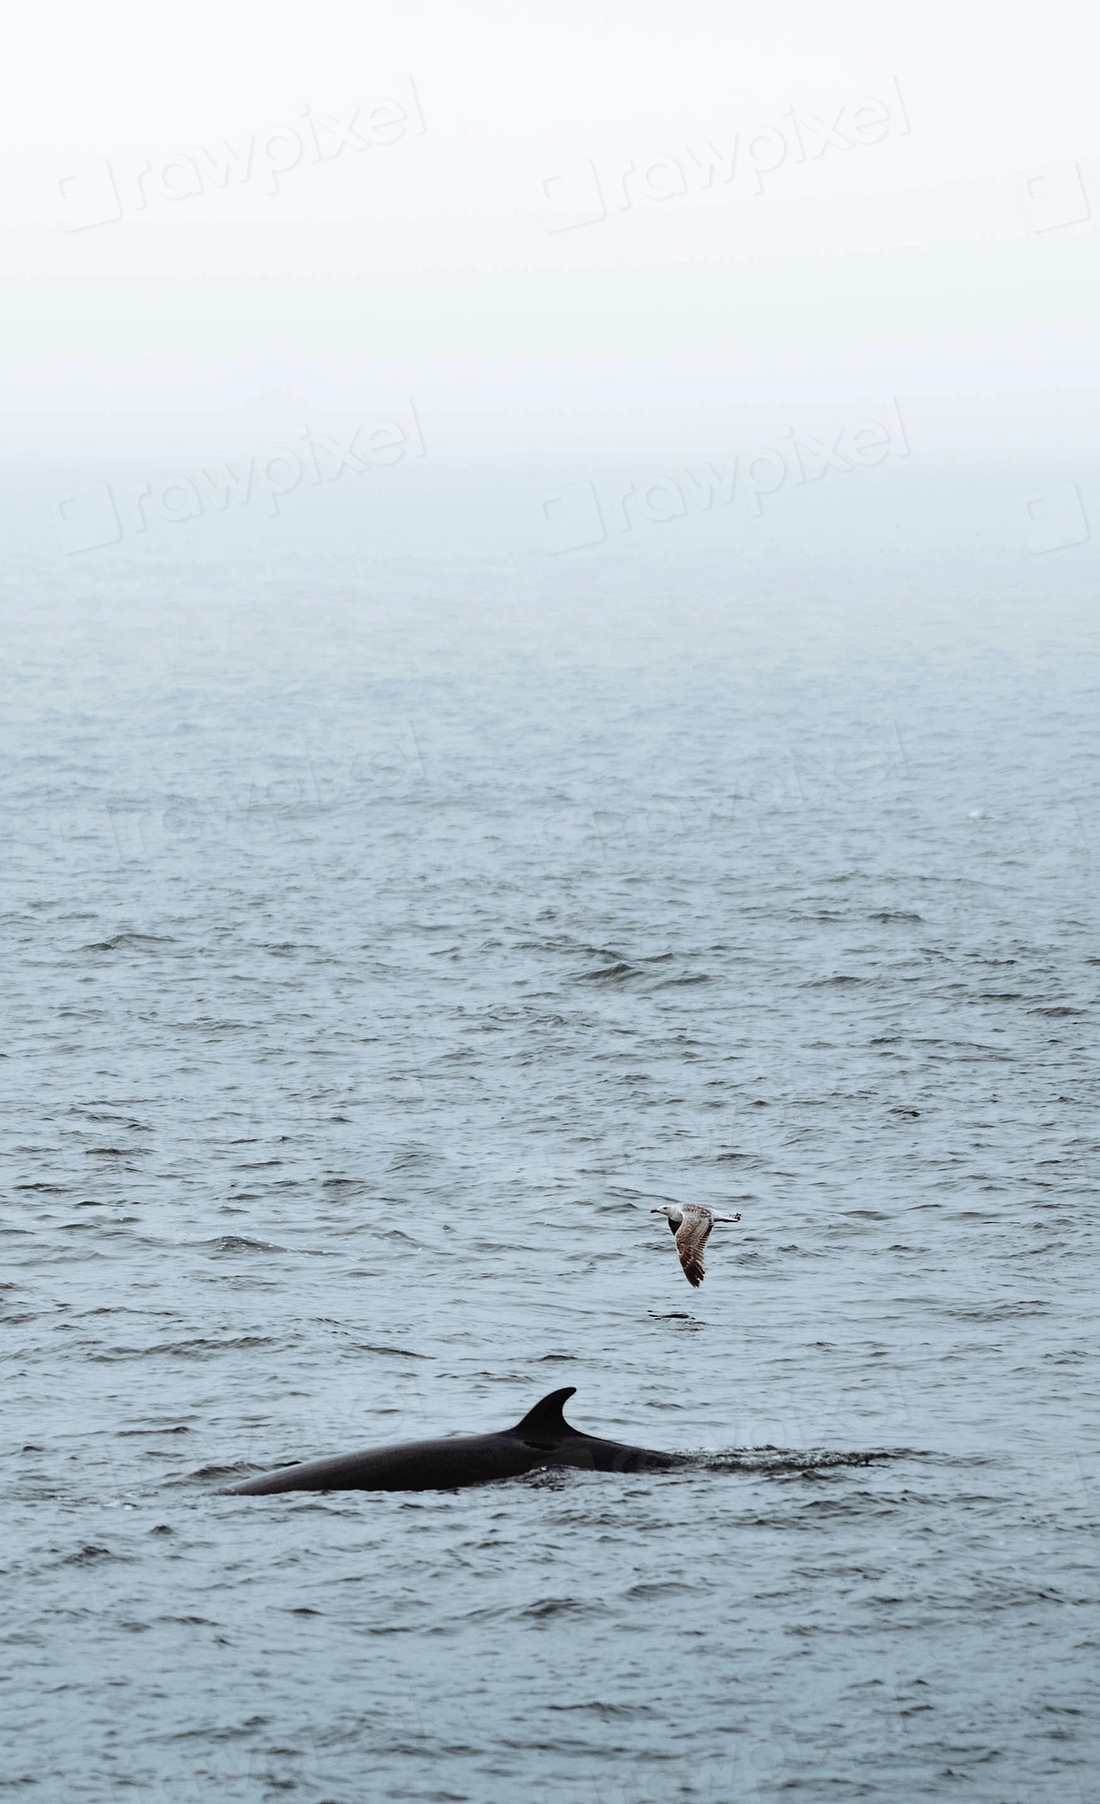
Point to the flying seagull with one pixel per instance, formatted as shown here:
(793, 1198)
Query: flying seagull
(691, 1224)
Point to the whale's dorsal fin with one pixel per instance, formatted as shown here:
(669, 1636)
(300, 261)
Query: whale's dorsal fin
(546, 1422)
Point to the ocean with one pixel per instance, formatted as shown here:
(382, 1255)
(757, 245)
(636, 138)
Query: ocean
(378, 940)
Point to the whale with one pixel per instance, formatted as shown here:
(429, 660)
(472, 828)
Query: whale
(543, 1438)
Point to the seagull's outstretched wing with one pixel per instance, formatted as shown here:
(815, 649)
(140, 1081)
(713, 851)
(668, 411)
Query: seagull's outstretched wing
(691, 1237)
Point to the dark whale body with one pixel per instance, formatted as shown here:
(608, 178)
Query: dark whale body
(543, 1438)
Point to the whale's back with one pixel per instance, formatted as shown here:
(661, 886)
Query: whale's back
(474, 1459)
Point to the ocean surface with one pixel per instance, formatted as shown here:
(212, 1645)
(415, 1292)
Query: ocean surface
(376, 940)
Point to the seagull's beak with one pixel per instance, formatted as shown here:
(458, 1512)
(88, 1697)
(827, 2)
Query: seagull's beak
(656, 1211)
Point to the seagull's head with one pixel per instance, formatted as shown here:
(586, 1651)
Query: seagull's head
(674, 1214)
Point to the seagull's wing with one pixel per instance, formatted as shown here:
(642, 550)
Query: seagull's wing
(691, 1237)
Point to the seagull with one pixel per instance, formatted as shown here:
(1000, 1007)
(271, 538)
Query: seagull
(691, 1224)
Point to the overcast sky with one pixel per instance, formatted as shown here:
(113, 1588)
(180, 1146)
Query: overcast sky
(554, 218)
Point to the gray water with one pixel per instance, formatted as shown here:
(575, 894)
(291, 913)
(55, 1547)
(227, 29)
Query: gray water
(375, 939)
